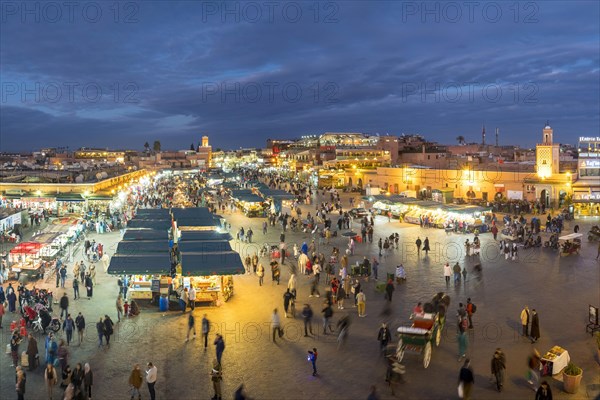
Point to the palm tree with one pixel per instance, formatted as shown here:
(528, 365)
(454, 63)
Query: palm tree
(147, 147)
(460, 139)
(192, 147)
(156, 146)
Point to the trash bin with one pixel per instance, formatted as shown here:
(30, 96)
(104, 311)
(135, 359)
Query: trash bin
(163, 304)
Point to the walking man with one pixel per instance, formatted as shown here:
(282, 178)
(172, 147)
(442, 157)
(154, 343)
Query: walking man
(191, 326)
(361, 301)
(68, 327)
(276, 325)
(151, 373)
(219, 347)
(418, 243)
(64, 305)
(205, 330)
(535, 326)
(307, 314)
(471, 308)
(525, 321)
(75, 287)
(80, 324)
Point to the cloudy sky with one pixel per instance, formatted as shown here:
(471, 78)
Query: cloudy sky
(96, 74)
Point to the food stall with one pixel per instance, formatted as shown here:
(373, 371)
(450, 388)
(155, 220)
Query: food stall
(249, 202)
(144, 269)
(555, 360)
(25, 258)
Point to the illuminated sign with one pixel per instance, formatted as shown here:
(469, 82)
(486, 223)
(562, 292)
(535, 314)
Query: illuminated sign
(589, 138)
(586, 196)
(589, 164)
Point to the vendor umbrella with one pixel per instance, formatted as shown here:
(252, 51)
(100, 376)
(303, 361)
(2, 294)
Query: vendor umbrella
(349, 234)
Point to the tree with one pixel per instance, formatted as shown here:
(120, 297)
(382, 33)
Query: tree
(460, 139)
(156, 146)
(147, 146)
(192, 147)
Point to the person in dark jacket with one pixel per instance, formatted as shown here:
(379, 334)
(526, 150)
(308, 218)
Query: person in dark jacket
(100, 331)
(426, 248)
(32, 352)
(535, 326)
(80, 324)
(89, 286)
(389, 290)
(543, 392)
(77, 377)
(498, 366)
(68, 327)
(108, 329)
(384, 336)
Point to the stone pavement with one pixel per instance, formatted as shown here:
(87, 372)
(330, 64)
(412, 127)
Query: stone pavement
(559, 288)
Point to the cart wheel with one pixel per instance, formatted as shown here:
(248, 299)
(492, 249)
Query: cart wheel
(438, 336)
(400, 351)
(427, 355)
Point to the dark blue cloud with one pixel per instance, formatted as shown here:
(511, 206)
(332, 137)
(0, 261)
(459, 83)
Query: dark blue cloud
(175, 71)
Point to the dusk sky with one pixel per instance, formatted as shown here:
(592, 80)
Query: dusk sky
(240, 72)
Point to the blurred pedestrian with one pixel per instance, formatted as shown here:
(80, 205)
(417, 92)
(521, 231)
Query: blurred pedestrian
(533, 363)
(535, 326)
(20, 383)
(260, 272)
(466, 379)
(119, 305)
(205, 330)
(389, 290)
(447, 273)
(108, 329)
(191, 327)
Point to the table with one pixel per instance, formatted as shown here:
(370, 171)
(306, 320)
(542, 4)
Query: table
(555, 365)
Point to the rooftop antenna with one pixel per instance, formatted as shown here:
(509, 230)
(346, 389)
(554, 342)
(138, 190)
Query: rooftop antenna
(497, 132)
(483, 136)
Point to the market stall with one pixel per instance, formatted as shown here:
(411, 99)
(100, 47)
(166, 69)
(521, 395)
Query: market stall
(249, 202)
(555, 360)
(143, 269)
(25, 258)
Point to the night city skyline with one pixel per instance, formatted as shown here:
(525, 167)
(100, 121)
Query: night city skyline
(101, 75)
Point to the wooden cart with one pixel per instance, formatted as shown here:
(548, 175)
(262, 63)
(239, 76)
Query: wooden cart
(418, 338)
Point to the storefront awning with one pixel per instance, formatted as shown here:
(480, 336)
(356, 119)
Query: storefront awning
(158, 264)
(204, 235)
(217, 263)
(70, 197)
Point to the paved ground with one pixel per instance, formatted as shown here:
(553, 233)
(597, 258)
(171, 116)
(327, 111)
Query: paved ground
(559, 288)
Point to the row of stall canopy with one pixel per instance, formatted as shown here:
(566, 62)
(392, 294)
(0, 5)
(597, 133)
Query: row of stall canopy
(388, 203)
(204, 247)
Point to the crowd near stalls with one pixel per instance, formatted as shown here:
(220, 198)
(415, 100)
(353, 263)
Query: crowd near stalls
(170, 251)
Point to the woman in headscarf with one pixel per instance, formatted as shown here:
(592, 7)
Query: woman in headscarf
(88, 381)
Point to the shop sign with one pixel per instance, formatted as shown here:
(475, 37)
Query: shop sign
(587, 196)
(589, 139)
(589, 164)
(514, 194)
